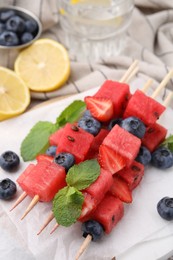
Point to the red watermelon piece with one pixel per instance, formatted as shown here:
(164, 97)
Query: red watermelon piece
(76, 141)
(117, 92)
(89, 205)
(55, 137)
(98, 139)
(119, 149)
(108, 212)
(154, 136)
(133, 174)
(144, 107)
(43, 179)
(44, 157)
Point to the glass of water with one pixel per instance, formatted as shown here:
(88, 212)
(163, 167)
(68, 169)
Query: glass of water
(95, 29)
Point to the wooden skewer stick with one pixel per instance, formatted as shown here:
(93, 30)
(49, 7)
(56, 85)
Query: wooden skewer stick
(129, 71)
(147, 85)
(163, 84)
(83, 246)
(167, 100)
(133, 73)
(19, 200)
(48, 220)
(54, 228)
(31, 205)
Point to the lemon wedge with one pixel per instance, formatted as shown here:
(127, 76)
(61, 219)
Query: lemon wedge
(14, 94)
(43, 66)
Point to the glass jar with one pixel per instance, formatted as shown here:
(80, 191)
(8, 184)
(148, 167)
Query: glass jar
(96, 29)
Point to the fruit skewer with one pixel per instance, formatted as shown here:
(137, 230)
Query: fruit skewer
(127, 76)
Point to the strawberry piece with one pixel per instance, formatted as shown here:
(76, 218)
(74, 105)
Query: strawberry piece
(121, 189)
(110, 160)
(100, 108)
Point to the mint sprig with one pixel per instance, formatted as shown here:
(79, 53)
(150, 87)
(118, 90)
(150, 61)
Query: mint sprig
(82, 175)
(37, 141)
(168, 142)
(67, 204)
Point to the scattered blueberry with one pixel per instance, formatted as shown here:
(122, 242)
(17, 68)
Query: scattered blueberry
(162, 158)
(9, 39)
(51, 151)
(26, 37)
(66, 160)
(134, 126)
(113, 122)
(15, 24)
(165, 208)
(144, 156)
(7, 189)
(5, 15)
(31, 26)
(90, 125)
(2, 27)
(9, 161)
(92, 228)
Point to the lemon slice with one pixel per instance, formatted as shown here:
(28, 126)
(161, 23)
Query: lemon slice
(44, 66)
(14, 94)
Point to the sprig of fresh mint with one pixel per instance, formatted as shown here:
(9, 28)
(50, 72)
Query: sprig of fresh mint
(168, 142)
(67, 204)
(37, 140)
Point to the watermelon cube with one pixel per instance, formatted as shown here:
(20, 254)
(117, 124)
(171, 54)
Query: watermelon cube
(89, 205)
(154, 136)
(133, 174)
(98, 139)
(119, 149)
(119, 93)
(144, 107)
(55, 137)
(76, 141)
(43, 179)
(108, 212)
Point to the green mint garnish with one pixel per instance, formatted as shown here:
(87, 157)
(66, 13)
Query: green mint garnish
(67, 206)
(83, 174)
(168, 143)
(37, 141)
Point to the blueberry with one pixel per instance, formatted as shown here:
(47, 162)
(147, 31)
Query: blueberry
(31, 26)
(7, 189)
(51, 151)
(165, 208)
(134, 126)
(9, 161)
(2, 27)
(113, 122)
(87, 113)
(9, 39)
(15, 24)
(26, 37)
(144, 156)
(162, 158)
(90, 125)
(5, 15)
(93, 228)
(66, 160)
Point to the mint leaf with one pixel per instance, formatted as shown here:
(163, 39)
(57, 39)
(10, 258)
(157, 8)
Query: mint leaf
(83, 174)
(37, 141)
(67, 206)
(71, 114)
(168, 143)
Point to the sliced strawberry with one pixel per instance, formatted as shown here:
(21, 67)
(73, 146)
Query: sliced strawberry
(44, 157)
(100, 108)
(110, 160)
(121, 189)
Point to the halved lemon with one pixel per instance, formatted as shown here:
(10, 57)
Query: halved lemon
(44, 66)
(14, 94)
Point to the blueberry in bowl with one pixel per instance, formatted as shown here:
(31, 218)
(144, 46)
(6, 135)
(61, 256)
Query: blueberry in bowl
(18, 28)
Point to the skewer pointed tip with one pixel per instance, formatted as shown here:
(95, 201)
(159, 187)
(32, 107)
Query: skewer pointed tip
(83, 246)
(31, 205)
(19, 200)
(54, 228)
(48, 220)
